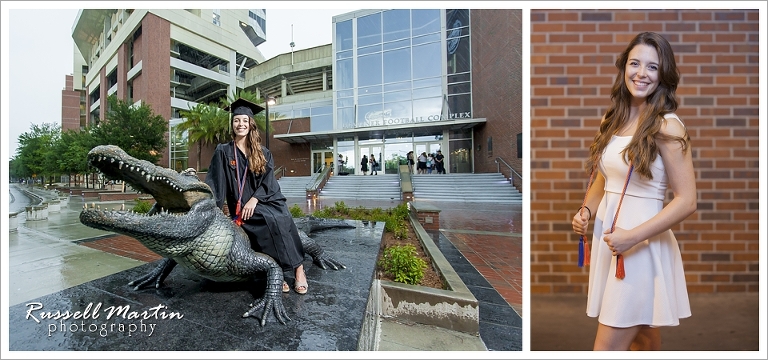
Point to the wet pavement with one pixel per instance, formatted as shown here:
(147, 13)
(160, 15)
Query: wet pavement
(193, 314)
(483, 245)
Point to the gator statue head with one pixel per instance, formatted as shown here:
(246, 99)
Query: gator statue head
(185, 227)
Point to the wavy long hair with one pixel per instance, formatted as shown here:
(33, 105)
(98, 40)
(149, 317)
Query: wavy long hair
(642, 149)
(256, 160)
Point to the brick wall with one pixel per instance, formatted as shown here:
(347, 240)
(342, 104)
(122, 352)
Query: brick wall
(572, 70)
(497, 96)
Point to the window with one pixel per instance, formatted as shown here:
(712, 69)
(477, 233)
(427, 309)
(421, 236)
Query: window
(217, 17)
(369, 30)
(344, 36)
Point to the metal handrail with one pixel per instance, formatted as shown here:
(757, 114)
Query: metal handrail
(498, 169)
(320, 179)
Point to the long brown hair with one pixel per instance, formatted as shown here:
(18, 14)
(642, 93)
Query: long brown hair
(256, 160)
(642, 149)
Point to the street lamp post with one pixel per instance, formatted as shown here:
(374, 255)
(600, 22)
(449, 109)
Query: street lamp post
(268, 100)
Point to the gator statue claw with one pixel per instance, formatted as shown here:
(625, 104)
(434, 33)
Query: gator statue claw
(185, 227)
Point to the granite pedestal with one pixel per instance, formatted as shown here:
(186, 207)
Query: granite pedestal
(195, 314)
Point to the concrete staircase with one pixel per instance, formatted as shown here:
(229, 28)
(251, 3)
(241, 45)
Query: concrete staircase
(295, 186)
(369, 187)
(485, 187)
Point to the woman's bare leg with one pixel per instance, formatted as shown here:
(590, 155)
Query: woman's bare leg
(648, 338)
(612, 338)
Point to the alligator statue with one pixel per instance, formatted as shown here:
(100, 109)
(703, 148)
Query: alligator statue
(185, 227)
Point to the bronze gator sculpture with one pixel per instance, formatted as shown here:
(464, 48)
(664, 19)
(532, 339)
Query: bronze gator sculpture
(185, 227)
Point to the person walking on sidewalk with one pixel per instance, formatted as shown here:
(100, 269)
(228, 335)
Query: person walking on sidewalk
(374, 166)
(364, 165)
(409, 156)
(636, 277)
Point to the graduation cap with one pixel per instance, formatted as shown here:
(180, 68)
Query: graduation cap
(243, 107)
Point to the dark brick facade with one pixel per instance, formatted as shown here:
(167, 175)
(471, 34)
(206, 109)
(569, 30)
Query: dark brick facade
(497, 81)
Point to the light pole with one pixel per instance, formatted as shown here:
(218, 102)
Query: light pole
(268, 100)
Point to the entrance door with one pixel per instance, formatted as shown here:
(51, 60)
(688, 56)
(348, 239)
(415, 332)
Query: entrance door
(367, 150)
(320, 160)
(429, 147)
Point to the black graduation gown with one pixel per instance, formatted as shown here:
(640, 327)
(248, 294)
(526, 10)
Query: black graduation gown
(271, 228)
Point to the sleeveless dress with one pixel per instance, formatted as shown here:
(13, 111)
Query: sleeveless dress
(653, 291)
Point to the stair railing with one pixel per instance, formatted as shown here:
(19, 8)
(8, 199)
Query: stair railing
(513, 174)
(314, 188)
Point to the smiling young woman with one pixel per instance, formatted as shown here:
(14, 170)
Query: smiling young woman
(636, 278)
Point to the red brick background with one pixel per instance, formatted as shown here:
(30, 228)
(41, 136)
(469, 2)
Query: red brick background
(572, 70)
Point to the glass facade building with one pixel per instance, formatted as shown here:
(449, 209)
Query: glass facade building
(402, 81)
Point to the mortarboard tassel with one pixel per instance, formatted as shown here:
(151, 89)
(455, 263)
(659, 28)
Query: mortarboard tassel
(619, 266)
(586, 253)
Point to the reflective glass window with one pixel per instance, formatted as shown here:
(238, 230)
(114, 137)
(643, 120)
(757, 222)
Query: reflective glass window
(369, 30)
(427, 92)
(402, 95)
(459, 103)
(376, 89)
(369, 50)
(426, 39)
(456, 18)
(397, 24)
(458, 78)
(369, 99)
(459, 88)
(344, 74)
(369, 70)
(342, 102)
(346, 117)
(300, 113)
(458, 55)
(397, 44)
(369, 114)
(397, 65)
(399, 109)
(344, 35)
(345, 93)
(435, 81)
(322, 110)
(427, 107)
(344, 54)
(425, 21)
(397, 86)
(426, 60)
(321, 123)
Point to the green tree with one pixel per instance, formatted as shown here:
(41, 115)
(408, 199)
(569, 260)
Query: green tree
(135, 129)
(73, 149)
(33, 154)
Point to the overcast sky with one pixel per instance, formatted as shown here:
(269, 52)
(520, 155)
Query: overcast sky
(38, 50)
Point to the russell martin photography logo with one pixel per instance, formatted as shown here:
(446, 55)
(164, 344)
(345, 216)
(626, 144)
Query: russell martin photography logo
(102, 322)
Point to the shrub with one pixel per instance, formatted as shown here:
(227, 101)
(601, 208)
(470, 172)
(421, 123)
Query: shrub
(401, 262)
(296, 211)
(142, 206)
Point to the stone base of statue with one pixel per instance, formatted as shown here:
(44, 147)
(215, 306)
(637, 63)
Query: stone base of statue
(190, 313)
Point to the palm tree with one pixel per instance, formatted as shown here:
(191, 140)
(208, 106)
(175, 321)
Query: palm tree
(203, 126)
